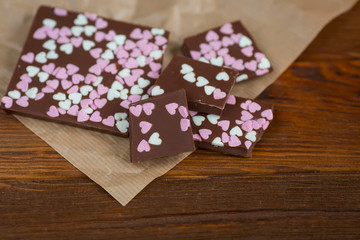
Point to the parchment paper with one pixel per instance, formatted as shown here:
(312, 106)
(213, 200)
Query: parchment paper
(281, 28)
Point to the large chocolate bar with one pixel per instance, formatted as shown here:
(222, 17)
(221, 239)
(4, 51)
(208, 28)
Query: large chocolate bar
(82, 69)
(240, 126)
(229, 45)
(160, 126)
(207, 87)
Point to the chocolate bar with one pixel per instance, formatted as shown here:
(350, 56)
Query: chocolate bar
(240, 126)
(160, 126)
(85, 70)
(207, 87)
(229, 45)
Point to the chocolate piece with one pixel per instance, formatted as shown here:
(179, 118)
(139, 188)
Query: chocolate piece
(237, 130)
(229, 45)
(84, 70)
(207, 87)
(160, 126)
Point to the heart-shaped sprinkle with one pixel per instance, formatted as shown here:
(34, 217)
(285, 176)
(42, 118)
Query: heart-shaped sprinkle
(224, 124)
(157, 91)
(53, 112)
(217, 142)
(198, 120)
(245, 115)
(171, 108)
(218, 94)
(184, 124)
(71, 69)
(15, 94)
(101, 23)
(213, 119)
(122, 126)
(247, 126)
(236, 131)
(268, 114)
(8, 102)
(73, 110)
(60, 12)
(65, 104)
(183, 111)
(195, 54)
(190, 77)
(145, 126)
(242, 77)
(157, 31)
(253, 107)
(251, 136)
(143, 146)
(95, 117)
(155, 139)
(245, 41)
(136, 110)
(201, 81)
(222, 76)
(205, 133)
(234, 141)
(80, 20)
(82, 116)
(248, 51)
(124, 94)
(32, 70)
(77, 78)
(87, 45)
(251, 65)
(148, 108)
(75, 97)
(31, 93)
(264, 63)
(53, 84)
(248, 144)
(211, 36)
(209, 90)
(225, 137)
(219, 61)
(227, 28)
(89, 30)
(109, 121)
(29, 57)
(231, 100)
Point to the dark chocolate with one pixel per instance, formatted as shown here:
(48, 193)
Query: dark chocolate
(207, 87)
(240, 126)
(160, 126)
(84, 70)
(231, 46)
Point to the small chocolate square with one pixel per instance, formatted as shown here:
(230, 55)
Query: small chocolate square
(160, 126)
(231, 46)
(207, 87)
(240, 126)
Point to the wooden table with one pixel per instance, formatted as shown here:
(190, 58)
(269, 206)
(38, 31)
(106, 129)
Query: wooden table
(303, 181)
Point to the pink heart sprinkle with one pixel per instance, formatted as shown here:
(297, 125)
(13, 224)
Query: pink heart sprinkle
(131, 63)
(63, 39)
(99, 36)
(94, 94)
(259, 56)
(205, 48)
(73, 89)
(100, 103)
(260, 72)
(61, 73)
(102, 89)
(76, 41)
(82, 116)
(130, 80)
(205, 133)
(136, 110)
(268, 114)
(136, 34)
(251, 65)
(231, 100)
(125, 104)
(134, 98)
(141, 42)
(49, 68)
(154, 75)
(91, 16)
(148, 108)
(25, 77)
(239, 122)
(39, 96)
(71, 69)
(101, 23)
(226, 41)
(53, 33)
(248, 144)
(160, 40)
(218, 94)
(224, 124)
(29, 57)
(129, 45)
(95, 52)
(61, 111)
(85, 103)
(111, 68)
(143, 146)
(222, 52)
(109, 121)
(53, 84)
(195, 54)
(155, 67)
(73, 110)
(183, 112)
(227, 28)
(60, 12)
(171, 108)
(248, 51)
(110, 35)
(265, 125)
(23, 86)
(96, 69)
(184, 124)
(247, 126)
(145, 126)
(245, 115)
(216, 45)
(146, 49)
(39, 34)
(253, 107)
(90, 78)
(47, 89)
(8, 102)
(65, 31)
(261, 121)
(121, 53)
(197, 137)
(234, 141)
(236, 37)
(193, 113)
(77, 78)
(137, 72)
(245, 105)
(210, 55)
(147, 34)
(102, 63)
(225, 137)
(95, 117)
(228, 60)
(66, 84)
(255, 125)
(211, 36)
(238, 64)
(53, 112)
(135, 52)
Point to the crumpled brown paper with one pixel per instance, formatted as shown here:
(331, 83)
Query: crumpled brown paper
(282, 29)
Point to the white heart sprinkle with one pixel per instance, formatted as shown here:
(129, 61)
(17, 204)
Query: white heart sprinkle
(236, 131)
(117, 86)
(156, 91)
(15, 94)
(155, 139)
(136, 90)
(98, 81)
(87, 45)
(41, 57)
(43, 76)
(50, 44)
(156, 54)
(141, 61)
(201, 81)
(67, 48)
(198, 120)
(52, 55)
(264, 63)
(120, 116)
(217, 61)
(245, 41)
(49, 22)
(190, 77)
(242, 77)
(86, 89)
(31, 93)
(122, 125)
(32, 70)
(209, 90)
(202, 59)
(77, 30)
(124, 94)
(120, 39)
(111, 45)
(89, 110)
(59, 96)
(65, 104)
(145, 96)
(89, 30)
(157, 31)
(81, 20)
(251, 136)
(217, 142)
(213, 119)
(222, 76)
(124, 73)
(75, 97)
(186, 68)
(143, 83)
(108, 54)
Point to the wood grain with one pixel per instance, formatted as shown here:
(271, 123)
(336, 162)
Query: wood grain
(303, 181)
